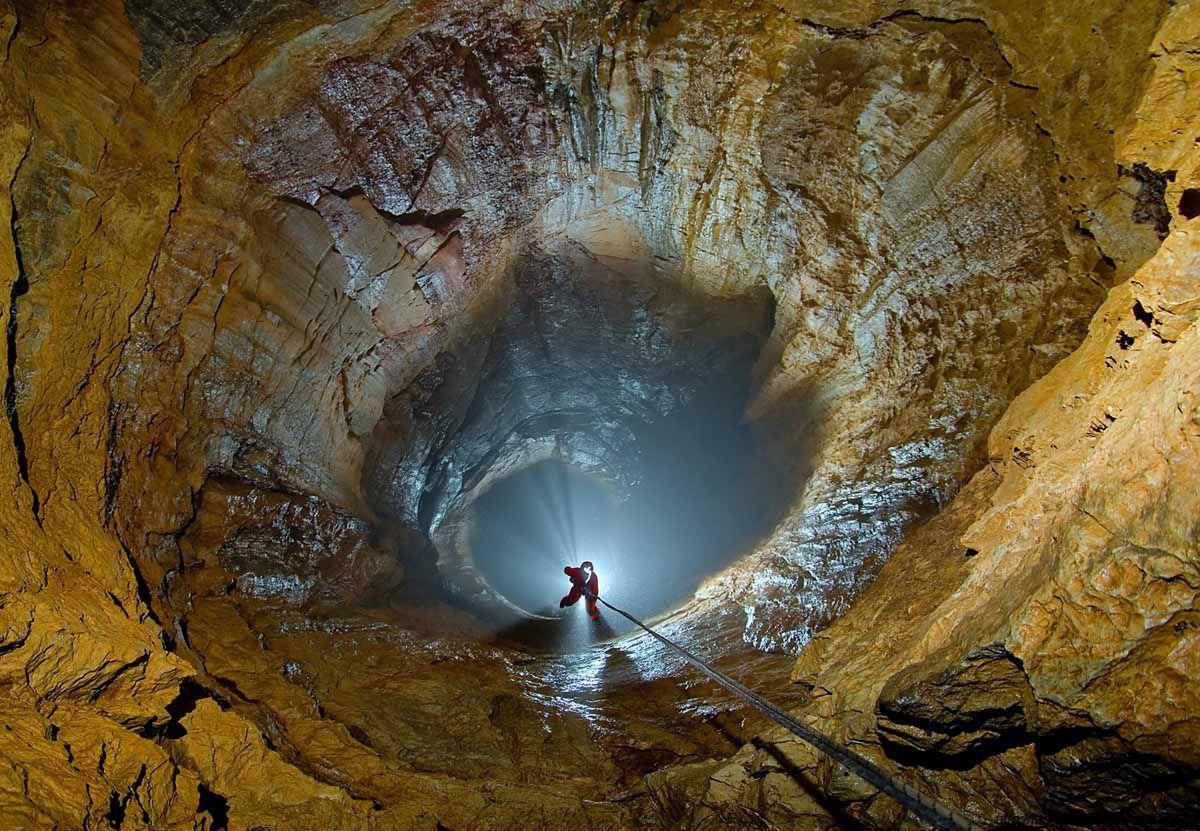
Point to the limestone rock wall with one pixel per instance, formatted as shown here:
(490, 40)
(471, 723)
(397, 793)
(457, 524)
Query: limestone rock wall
(237, 235)
(629, 133)
(1029, 652)
(1033, 645)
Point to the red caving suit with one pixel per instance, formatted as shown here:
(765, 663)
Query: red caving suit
(593, 585)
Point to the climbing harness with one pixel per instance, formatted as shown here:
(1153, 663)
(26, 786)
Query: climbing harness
(930, 810)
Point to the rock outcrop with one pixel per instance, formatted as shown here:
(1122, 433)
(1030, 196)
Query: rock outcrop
(282, 283)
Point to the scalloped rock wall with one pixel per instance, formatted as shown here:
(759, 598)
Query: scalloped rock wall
(246, 242)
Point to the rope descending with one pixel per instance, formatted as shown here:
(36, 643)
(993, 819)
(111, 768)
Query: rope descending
(927, 808)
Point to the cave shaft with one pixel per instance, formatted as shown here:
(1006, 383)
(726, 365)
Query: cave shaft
(856, 344)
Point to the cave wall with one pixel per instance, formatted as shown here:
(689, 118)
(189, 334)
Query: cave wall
(1033, 645)
(621, 131)
(227, 256)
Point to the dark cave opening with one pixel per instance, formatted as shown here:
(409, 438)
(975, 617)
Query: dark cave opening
(1189, 203)
(705, 497)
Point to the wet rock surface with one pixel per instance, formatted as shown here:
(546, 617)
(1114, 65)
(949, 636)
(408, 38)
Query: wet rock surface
(292, 548)
(269, 270)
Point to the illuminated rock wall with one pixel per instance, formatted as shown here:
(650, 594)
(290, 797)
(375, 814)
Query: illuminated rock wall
(247, 244)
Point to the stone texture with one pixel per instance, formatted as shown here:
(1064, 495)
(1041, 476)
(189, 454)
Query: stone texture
(287, 547)
(1043, 666)
(244, 243)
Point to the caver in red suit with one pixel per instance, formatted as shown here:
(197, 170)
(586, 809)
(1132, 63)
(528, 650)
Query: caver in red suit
(585, 575)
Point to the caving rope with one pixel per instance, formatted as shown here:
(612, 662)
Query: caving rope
(927, 808)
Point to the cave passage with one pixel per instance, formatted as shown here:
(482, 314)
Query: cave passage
(600, 415)
(705, 491)
(857, 345)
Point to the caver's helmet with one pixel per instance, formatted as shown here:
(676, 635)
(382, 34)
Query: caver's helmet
(587, 564)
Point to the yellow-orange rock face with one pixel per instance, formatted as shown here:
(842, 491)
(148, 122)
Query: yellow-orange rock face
(247, 252)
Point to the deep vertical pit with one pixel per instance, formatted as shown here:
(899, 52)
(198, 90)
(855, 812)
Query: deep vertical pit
(244, 235)
(703, 491)
(599, 417)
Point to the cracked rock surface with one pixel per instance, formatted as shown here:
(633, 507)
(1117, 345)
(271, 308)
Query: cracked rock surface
(289, 284)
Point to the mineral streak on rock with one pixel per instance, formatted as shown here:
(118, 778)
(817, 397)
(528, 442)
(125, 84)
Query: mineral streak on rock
(285, 285)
